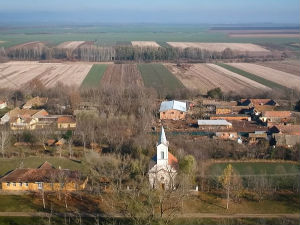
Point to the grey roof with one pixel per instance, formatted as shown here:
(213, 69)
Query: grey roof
(168, 105)
(214, 123)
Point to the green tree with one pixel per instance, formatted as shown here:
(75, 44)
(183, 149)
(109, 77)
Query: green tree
(215, 93)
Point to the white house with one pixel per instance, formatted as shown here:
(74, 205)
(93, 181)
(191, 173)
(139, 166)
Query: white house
(3, 104)
(162, 170)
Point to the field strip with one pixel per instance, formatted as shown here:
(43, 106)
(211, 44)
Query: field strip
(239, 77)
(275, 76)
(288, 66)
(94, 76)
(145, 44)
(251, 76)
(160, 78)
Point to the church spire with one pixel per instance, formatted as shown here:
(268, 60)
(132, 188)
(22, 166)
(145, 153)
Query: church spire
(163, 139)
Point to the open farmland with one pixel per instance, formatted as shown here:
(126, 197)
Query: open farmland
(33, 44)
(158, 77)
(122, 76)
(145, 44)
(219, 47)
(70, 44)
(288, 66)
(94, 76)
(204, 77)
(276, 76)
(18, 74)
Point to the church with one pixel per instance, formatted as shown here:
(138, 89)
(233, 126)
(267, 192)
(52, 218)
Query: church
(163, 165)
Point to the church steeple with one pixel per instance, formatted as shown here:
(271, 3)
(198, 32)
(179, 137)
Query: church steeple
(163, 139)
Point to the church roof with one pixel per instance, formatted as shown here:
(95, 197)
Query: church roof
(172, 160)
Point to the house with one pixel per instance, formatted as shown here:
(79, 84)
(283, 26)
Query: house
(230, 117)
(286, 140)
(214, 124)
(24, 113)
(255, 137)
(60, 142)
(227, 135)
(221, 109)
(23, 123)
(173, 110)
(66, 122)
(276, 116)
(163, 165)
(43, 178)
(3, 104)
(35, 103)
(286, 129)
(253, 102)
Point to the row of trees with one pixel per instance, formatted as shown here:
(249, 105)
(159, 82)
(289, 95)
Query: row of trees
(90, 52)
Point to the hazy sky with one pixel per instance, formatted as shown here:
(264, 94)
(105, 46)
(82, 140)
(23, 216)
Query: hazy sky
(151, 11)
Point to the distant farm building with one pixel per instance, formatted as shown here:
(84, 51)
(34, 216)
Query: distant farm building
(35, 103)
(214, 124)
(45, 177)
(3, 104)
(251, 102)
(66, 122)
(173, 110)
(231, 117)
(276, 116)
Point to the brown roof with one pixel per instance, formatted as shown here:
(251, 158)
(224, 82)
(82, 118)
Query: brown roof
(45, 173)
(281, 114)
(66, 119)
(289, 129)
(263, 108)
(258, 101)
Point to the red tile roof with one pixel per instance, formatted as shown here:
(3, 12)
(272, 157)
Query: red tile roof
(280, 114)
(172, 160)
(66, 119)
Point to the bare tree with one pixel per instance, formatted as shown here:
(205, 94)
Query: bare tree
(4, 139)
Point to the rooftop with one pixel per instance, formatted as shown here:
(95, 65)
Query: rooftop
(214, 123)
(282, 114)
(176, 105)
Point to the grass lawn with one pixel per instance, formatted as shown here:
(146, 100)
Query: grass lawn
(94, 76)
(252, 76)
(17, 203)
(7, 165)
(160, 78)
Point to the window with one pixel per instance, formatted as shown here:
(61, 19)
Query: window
(162, 155)
(20, 184)
(26, 184)
(40, 185)
(14, 184)
(7, 184)
(181, 113)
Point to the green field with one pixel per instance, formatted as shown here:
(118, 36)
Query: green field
(7, 165)
(252, 76)
(112, 34)
(94, 76)
(256, 168)
(160, 78)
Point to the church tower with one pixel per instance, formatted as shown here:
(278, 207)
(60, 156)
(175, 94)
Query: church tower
(162, 149)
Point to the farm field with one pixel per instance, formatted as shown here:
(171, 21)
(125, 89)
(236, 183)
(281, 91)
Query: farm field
(219, 47)
(160, 78)
(70, 44)
(94, 76)
(264, 35)
(145, 44)
(288, 66)
(17, 74)
(112, 34)
(204, 77)
(122, 76)
(276, 76)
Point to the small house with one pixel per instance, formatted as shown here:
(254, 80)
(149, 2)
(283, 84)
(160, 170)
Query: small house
(43, 178)
(221, 109)
(253, 102)
(214, 124)
(227, 135)
(276, 116)
(3, 104)
(173, 110)
(66, 122)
